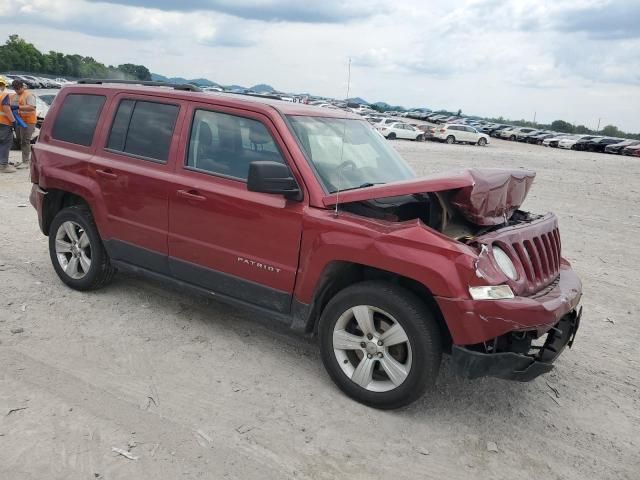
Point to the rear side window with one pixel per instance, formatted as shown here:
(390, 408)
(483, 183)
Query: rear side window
(76, 122)
(143, 129)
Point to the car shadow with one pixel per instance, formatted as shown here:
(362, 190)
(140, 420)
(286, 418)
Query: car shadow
(451, 395)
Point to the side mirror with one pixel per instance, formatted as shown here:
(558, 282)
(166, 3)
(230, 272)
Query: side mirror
(273, 177)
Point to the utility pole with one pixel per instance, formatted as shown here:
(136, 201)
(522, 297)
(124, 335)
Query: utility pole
(598, 129)
(534, 117)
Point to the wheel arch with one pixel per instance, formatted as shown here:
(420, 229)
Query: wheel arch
(56, 200)
(339, 275)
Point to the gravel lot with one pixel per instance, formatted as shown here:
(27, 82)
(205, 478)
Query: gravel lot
(196, 389)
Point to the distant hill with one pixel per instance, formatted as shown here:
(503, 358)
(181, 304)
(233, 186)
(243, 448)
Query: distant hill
(204, 82)
(358, 100)
(235, 87)
(385, 106)
(263, 88)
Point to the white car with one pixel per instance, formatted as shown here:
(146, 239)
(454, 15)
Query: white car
(553, 141)
(400, 130)
(515, 133)
(568, 142)
(382, 122)
(462, 134)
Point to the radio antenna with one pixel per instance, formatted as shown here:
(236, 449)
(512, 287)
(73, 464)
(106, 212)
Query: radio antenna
(344, 134)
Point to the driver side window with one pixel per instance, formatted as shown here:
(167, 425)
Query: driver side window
(225, 145)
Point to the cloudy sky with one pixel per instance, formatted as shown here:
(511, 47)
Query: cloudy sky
(575, 60)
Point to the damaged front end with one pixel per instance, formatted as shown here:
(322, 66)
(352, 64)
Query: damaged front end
(521, 306)
(520, 356)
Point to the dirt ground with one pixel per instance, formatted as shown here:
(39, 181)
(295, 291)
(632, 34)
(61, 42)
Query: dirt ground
(198, 390)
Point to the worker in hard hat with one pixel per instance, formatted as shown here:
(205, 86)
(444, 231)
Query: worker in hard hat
(6, 132)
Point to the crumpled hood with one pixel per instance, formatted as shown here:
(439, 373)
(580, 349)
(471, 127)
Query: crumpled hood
(484, 197)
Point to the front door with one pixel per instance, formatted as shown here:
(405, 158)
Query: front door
(221, 236)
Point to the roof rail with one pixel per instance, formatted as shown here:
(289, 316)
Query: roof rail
(271, 96)
(184, 86)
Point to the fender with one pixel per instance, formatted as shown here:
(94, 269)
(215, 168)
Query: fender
(409, 249)
(82, 186)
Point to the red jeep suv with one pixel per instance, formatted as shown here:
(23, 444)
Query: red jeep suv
(308, 217)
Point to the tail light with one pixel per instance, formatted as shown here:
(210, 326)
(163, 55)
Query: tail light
(442, 130)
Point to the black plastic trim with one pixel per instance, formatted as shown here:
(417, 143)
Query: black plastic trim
(209, 279)
(142, 257)
(261, 312)
(233, 286)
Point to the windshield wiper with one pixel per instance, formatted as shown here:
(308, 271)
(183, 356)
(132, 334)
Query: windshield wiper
(364, 185)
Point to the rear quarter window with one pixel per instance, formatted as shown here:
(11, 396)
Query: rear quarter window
(77, 119)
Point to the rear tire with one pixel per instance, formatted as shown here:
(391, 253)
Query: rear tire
(76, 250)
(391, 136)
(375, 327)
(451, 139)
(512, 138)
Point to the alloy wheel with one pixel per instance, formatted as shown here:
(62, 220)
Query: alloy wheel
(372, 348)
(73, 250)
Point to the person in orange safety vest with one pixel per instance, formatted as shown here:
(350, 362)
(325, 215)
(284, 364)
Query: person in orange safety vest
(25, 103)
(6, 133)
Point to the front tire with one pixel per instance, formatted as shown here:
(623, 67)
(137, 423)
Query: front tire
(76, 250)
(482, 141)
(380, 344)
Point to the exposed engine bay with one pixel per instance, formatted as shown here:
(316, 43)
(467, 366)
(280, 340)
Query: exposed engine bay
(435, 210)
(463, 206)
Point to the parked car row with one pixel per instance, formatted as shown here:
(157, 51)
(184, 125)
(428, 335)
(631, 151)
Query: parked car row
(456, 129)
(548, 138)
(34, 82)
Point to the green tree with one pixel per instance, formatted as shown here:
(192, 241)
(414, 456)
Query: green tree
(612, 131)
(137, 72)
(19, 55)
(582, 130)
(562, 126)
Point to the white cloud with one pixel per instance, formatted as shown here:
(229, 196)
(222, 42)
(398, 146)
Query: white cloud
(572, 60)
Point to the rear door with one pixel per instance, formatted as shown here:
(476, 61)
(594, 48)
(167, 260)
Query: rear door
(133, 171)
(221, 236)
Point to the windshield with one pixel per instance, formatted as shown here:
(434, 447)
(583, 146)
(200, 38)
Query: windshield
(362, 160)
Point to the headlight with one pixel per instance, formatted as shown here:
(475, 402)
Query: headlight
(505, 263)
(495, 292)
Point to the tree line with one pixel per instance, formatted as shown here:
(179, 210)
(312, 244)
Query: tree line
(18, 55)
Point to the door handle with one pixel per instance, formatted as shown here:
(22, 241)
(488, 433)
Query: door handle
(107, 174)
(191, 195)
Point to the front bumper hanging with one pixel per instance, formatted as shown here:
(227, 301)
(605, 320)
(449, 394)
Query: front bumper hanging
(516, 366)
